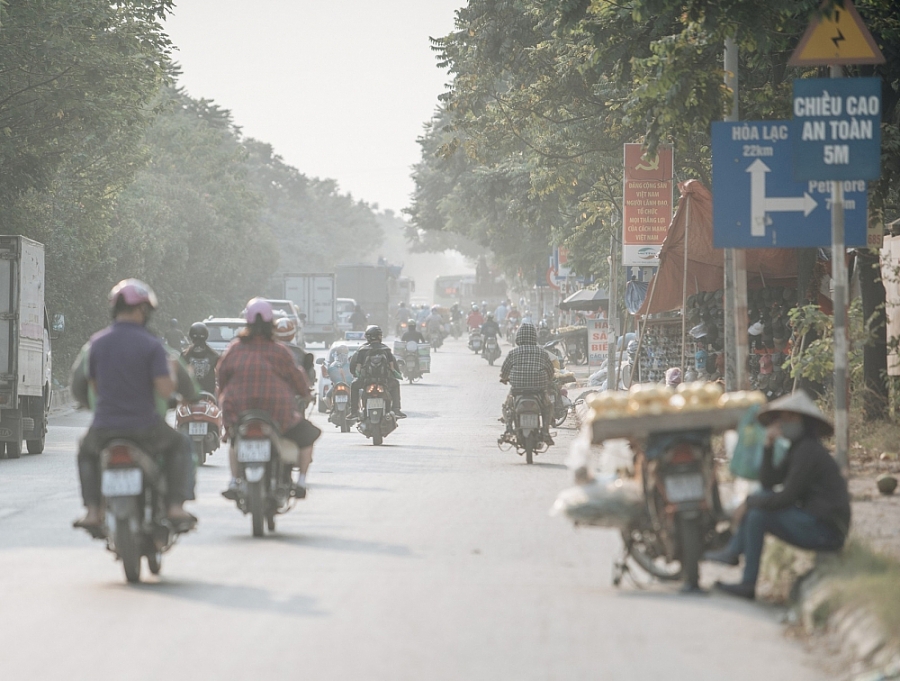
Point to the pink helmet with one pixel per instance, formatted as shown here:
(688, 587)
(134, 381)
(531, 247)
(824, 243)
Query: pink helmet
(133, 292)
(258, 307)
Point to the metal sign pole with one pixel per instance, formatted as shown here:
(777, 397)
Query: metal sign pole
(736, 349)
(841, 340)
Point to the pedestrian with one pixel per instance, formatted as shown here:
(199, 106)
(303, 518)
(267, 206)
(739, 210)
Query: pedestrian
(359, 319)
(812, 509)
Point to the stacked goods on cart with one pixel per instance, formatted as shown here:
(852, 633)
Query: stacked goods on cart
(652, 408)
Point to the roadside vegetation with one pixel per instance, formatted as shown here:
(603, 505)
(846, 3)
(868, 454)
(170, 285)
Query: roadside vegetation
(120, 173)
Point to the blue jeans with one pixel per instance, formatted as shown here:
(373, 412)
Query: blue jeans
(792, 525)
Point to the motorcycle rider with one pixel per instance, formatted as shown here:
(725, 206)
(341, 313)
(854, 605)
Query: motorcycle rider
(456, 315)
(475, 318)
(544, 334)
(359, 362)
(528, 368)
(413, 334)
(359, 318)
(490, 326)
(285, 332)
(339, 368)
(422, 314)
(174, 338)
(128, 369)
(256, 372)
(500, 313)
(201, 358)
(403, 315)
(513, 319)
(434, 323)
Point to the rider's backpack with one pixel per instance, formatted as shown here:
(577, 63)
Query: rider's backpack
(376, 366)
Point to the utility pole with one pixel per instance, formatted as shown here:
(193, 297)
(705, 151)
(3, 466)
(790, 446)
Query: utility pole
(736, 350)
(612, 375)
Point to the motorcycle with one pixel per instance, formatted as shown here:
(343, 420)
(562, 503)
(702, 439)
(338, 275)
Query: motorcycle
(264, 460)
(133, 488)
(456, 329)
(491, 350)
(476, 341)
(435, 338)
(338, 404)
(202, 423)
(408, 359)
(523, 411)
(376, 419)
(681, 508)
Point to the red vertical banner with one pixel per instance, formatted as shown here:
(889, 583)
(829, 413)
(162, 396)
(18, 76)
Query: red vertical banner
(647, 204)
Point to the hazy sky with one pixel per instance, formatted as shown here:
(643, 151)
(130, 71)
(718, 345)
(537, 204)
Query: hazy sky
(340, 88)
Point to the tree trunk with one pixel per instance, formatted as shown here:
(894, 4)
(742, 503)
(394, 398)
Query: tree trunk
(875, 396)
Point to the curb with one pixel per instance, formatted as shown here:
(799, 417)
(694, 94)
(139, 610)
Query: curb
(855, 632)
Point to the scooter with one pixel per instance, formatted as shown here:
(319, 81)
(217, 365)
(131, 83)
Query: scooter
(201, 421)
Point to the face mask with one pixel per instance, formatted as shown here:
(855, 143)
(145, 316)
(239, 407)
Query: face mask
(792, 430)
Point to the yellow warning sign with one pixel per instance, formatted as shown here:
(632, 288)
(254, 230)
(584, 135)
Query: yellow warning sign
(837, 38)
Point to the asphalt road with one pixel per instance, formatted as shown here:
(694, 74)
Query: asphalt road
(432, 557)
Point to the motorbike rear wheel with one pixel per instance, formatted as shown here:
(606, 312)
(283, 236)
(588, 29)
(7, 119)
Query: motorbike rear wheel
(377, 438)
(557, 421)
(256, 504)
(529, 449)
(270, 521)
(127, 550)
(345, 427)
(691, 550)
(199, 453)
(666, 572)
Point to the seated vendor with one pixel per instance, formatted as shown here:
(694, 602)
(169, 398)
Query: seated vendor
(812, 508)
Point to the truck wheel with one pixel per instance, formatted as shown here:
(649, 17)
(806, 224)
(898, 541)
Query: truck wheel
(35, 446)
(13, 450)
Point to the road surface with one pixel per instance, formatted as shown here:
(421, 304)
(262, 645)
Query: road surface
(432, 557)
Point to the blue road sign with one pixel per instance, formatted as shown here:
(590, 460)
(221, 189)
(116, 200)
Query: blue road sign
(837, 129)
(756, 202)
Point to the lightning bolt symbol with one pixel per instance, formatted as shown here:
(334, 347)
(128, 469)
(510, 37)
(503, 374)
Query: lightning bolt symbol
(840, 36)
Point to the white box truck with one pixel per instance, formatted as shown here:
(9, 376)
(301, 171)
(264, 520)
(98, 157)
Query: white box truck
(314, 295)
(25, 357)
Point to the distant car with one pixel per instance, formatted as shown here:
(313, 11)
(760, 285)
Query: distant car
(343, 308)
(354, 340)
(223, 330)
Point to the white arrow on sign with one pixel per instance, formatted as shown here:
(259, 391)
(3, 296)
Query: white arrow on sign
(635, 271)
(760, 204)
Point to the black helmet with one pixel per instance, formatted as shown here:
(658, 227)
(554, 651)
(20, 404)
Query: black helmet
(374, 334)
(198, 332)
(173, 323)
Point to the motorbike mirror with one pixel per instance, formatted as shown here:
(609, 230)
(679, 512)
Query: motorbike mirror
(320, 360)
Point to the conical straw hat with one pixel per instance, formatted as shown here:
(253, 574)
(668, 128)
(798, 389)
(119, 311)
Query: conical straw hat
(797, 403)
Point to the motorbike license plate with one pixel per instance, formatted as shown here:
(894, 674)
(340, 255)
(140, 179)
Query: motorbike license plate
(124, 482)
(198, 428)
(375, 403)
(685, 487)
(341, 398)
(254, 451)
(529, 421)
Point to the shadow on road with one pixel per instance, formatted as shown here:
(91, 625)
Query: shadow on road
(231, 596)
(347, 488)
(337, 544)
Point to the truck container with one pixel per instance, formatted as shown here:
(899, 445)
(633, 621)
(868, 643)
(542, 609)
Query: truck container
(368, 286)
(314, 294)
(25, 357)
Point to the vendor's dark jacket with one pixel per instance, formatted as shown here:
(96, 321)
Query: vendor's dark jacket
(811, 480)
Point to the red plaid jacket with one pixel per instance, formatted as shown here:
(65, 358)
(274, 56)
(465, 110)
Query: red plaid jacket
(260, 374)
